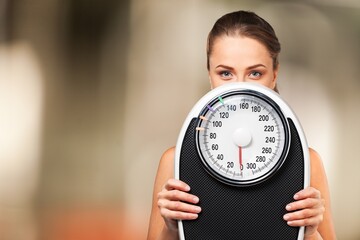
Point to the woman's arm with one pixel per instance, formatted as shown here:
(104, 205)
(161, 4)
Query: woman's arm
(164, 172)
(319, 181)
(171, 202)
(312, 206)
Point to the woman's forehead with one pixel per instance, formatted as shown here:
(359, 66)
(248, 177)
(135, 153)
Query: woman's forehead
(239, 50)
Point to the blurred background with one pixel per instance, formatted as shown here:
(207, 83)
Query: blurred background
(93, 92)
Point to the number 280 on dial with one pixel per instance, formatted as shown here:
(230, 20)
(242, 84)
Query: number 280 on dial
(242, 137)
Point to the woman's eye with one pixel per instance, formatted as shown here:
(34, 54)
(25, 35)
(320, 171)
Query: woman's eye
(255, 75)
(226, 74)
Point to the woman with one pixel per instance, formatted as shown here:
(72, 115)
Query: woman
(241, 47)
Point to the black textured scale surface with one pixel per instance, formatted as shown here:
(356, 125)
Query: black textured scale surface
(247, 213)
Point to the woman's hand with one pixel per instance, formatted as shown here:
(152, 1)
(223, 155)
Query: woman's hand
(307, 210)
(175, 203)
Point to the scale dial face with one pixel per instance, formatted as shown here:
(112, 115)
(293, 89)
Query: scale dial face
(242, 137)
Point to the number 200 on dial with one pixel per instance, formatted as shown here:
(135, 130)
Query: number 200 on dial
(242, 138)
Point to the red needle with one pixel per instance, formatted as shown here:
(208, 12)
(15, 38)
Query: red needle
(240, 158)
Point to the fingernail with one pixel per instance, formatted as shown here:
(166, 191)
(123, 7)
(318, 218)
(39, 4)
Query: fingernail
(289, 223)
(286, 217)
(296, 196)
(288, 207)
(198, 209)
(187, 188)
(195, 199)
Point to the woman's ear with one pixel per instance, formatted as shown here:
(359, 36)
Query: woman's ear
(276, 71)
(211, 85)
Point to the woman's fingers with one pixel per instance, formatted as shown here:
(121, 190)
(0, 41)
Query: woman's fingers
(304, 214)
(307, 210)
(305, 203)
(308, 192)
(178, 210)
(176, 195)
(175, 203)
(312, 221)
(176, 184)
(178, 206)
(177, 215)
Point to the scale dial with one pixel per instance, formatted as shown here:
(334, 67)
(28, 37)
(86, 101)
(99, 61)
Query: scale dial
(242, 137)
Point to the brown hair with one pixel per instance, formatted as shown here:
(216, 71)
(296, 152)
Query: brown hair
(248, 24)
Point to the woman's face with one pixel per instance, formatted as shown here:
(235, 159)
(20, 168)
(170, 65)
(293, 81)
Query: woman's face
(240, 59)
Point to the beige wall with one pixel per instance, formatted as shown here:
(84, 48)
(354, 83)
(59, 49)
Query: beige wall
(108, 97)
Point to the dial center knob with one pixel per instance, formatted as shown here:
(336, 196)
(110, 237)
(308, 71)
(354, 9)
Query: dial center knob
(242, 137)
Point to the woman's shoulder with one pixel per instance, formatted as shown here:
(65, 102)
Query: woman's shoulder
(315, 160)
(166, 164)
(168, 156)
(318, 175)
(170, 152)
(314, 154)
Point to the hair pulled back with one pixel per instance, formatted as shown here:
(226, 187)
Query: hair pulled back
(247, 24)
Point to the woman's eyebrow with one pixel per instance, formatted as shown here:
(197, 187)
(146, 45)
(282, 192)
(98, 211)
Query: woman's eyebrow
(224, 66)
(248, 68)
(256, 66)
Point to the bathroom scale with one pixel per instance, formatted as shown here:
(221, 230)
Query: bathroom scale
(243, 152)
